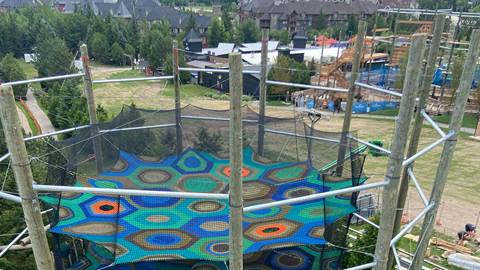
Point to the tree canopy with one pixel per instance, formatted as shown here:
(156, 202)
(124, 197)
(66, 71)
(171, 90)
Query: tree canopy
(10, 70)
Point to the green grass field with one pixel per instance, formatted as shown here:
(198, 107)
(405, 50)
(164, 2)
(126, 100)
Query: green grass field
(469, 121)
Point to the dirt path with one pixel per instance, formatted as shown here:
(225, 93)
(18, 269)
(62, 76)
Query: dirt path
(41, 117)
(102, 72)
(24, 121)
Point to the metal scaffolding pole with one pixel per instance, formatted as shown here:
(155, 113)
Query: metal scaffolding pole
(418, 124)
(362, 29)
(92, 110)
(394, 167)
(178, 109)
(263, 91)
(236, 187)
(24, 178)
(449, 147)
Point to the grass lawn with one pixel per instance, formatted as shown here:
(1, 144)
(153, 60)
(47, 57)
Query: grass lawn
(388, 112)
(469, 121)
(28, 68)
(279, 103)
(30, 120)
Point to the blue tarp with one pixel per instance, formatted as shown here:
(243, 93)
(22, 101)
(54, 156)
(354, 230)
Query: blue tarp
(367, 107)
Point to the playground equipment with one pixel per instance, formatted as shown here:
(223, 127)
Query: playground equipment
(123, 184)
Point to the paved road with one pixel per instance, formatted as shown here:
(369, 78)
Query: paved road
(24, 121)
(42, 118)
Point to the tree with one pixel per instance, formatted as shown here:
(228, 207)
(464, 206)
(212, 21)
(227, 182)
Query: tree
(352, 25)
(227, 24)
(191, 23)
(65, 105)
(364, 243)
(322, 21)
(216, 33)
(281, 35)
(249, 31)
(10, 70)
(53, 58)
(280, 72)
(208, 142)
(117, 56)
(156, 44)
(99, 48)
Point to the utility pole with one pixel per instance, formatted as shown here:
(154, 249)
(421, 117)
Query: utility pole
(449, 148)
(236, 157)
(263, 87)
(394, 167)
(417, 126)
(92, 110)
(178, 109)
(362, 29)
(24, 179)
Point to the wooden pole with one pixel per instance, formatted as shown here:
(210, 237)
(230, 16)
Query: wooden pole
(449, 147)
(372, 50)
(362, 29)
(320, 65)
(236, 187)
(394, 167)
(392, 51)
(92, 111)
(418, 124)
(456, 34)
(24, 178)
(178, 109)
(263, 91)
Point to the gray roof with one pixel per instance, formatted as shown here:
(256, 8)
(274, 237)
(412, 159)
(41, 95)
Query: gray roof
(19, 3)
(311, 7)
(193, 36)
(150, 10)
(257, 46)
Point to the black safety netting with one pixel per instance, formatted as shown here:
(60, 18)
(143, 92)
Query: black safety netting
(138, 150)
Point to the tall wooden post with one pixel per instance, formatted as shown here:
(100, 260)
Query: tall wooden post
(372, 49)
(449, 147)
(92, 111)
(394, 167)
(394, 39)
(357, 58)
(236, 187)
(456, 33)
(178, 109)
(417, 126)
(263, 91)
(24, 179)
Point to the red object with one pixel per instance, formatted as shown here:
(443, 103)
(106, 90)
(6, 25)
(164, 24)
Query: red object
(324, 41)
(227, 171)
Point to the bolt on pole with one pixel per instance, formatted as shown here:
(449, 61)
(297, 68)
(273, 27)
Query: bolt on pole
(178, 109)
(24, 178)
(449, 147)
(394, 167)
(263, 92)
(418, 124)
(357, 59)
(92, 111)
(236, 187)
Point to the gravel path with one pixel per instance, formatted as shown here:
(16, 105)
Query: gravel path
(42, 118)
(24, 121)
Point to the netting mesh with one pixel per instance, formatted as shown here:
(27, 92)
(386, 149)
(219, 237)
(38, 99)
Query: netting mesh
(137, 232)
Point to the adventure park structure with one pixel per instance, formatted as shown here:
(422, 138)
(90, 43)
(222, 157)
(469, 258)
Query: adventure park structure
(162, 189)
